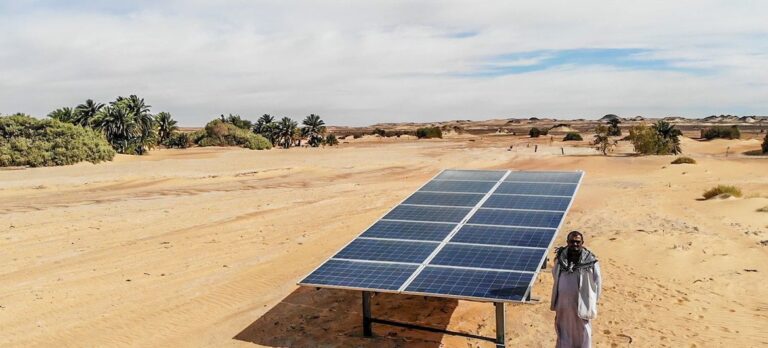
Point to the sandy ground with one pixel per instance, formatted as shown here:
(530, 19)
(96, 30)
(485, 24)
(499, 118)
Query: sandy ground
(203, 247)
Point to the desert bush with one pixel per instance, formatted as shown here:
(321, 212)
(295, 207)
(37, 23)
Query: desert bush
(763, 209)
(721, 132)
(429, 132)
(659, 139)
(331, 140)
(380, 132)
(684, 159)
(222, 133)
(534, 132)
(570, 136)
(27, 141)
(765, 144)
(179, 140)
(720, 189)
(357, 135)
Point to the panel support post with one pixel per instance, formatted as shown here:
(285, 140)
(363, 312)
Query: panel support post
(367, 330)
(500, 319)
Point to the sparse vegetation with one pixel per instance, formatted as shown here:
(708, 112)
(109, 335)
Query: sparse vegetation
(659, 139)
(721, 132)
(603, 141)
(684, 160)
(534, 132)
(765, 144)
(572, 136)
(763, 209)
(180, 140)
(380, 132)
(331, 140)
(722, 189)
(429, 132)
(27, 141)
(613, 128)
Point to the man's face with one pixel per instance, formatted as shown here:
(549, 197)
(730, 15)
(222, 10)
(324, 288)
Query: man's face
(575, 242)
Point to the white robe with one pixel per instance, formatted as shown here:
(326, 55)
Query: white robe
(574, 300)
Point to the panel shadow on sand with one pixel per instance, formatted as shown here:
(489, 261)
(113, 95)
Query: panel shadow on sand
(311, 317)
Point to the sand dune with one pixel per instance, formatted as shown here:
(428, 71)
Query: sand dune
(203, 247)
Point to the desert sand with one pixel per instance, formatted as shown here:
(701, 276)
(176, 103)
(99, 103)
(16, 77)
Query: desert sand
(204, 246)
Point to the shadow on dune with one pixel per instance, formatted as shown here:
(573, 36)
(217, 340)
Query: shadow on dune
(311, 317)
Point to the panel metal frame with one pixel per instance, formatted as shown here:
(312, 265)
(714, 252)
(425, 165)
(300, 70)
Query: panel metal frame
(446, 240)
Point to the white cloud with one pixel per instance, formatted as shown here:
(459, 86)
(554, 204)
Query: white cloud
(361, 62)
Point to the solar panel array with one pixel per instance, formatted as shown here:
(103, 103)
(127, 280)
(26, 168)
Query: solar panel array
(471, 234)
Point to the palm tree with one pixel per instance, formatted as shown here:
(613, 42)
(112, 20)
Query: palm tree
(118, 125)
(314, 128)
(670, 142)
(286, 129)
(166, 125)
(85, 112)
(64, 114)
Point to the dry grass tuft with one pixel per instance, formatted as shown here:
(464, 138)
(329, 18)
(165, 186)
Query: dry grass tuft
(722, 189)
(684, 159)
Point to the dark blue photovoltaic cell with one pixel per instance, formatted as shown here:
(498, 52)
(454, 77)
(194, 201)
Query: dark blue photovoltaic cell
(451, 199)
(537, 189)
(565, 177)
(516, 218)
(458, 186)
(527, 202)
(417, 213)
(501, 235)
(511, 259)
(409, 230)
(386, 250)
(365, 275)
(478, 175)
(500, 285)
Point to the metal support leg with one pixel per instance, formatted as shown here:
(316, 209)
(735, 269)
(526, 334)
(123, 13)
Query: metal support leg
(500, 319)
(367, 330)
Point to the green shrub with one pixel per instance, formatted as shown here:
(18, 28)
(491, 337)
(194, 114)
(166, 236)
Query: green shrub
(222, 133)
(721, 132)
(660, 139)
(26, 141)
(534, 132)
(331, 140)
(572, 136)
(179, 140)
(720, 189)
(429, 132)
(765, 144)
(684, 159)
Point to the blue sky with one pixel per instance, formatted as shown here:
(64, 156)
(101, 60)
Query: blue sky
(358, 63)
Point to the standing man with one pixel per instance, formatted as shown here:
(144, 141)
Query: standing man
(575, 293)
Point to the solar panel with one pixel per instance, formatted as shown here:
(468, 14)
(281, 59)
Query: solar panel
(516, 218)
(409, 230)
(473, 234)
(459, 186)
(473, 284)
(527, 202)
(422, 213)
(561, 177)
(387, 250)
(441, 198)
(489, 257)
(503, 235)
(360, 275)
(550, 189)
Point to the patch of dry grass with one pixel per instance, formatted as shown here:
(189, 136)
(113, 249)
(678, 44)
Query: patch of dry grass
(721, 189)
